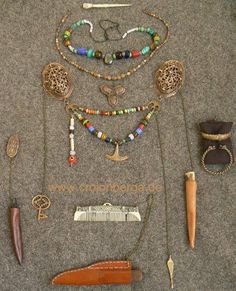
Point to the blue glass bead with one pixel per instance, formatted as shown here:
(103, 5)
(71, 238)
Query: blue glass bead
(139, 131)
(91, 129)
(90, 53)
(145, 50)
(127, 54)
(81, 51)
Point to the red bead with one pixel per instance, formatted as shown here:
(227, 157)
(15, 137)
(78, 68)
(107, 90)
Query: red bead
(135, 54)
(88, 124)
(141, 126)
(72, 160)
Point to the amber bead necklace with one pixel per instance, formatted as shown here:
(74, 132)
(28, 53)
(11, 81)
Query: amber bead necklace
(119, 76)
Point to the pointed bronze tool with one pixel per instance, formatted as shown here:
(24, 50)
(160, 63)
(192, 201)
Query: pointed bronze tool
(116, 156)
(191, 194)
(12, 149)
(170, 265)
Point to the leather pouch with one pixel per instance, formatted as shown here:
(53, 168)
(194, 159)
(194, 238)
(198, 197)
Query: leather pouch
(216, 135)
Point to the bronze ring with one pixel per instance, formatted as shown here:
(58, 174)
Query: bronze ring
(226, 168)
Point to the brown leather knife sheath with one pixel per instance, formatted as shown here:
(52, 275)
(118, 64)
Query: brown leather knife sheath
(103, 273)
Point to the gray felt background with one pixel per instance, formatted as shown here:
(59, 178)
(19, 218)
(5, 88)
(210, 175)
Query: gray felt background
(203, 38)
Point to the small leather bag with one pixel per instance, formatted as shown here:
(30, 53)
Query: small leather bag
(217, 145)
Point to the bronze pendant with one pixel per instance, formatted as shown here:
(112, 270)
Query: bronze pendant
(112, 93)
(116, 156)
(13, 146)
(40, 203)
(57, 81)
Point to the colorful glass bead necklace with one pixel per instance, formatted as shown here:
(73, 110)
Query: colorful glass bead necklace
(74, 109)
(57, 83)
(121, 75)
(108, 58)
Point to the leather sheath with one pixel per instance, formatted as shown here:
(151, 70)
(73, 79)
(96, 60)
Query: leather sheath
(102, 273)
(191, 205)
(16, 233)
(213, 127)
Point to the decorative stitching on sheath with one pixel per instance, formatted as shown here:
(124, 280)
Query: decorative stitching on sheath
(96, 268)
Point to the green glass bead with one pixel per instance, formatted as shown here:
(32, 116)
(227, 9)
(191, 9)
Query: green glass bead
(90, 53)
(144, 122)
(73, 26)
(108, 59)
(66, 34)
(98, 54)
(145, 50)
(151, 31)
(85, 121)
(156, 38)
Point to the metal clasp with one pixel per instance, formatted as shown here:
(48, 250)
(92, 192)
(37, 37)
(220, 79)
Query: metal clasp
(154, 105)
(71, 107)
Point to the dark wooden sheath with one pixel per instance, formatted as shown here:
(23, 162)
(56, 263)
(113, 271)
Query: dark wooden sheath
(16, 232)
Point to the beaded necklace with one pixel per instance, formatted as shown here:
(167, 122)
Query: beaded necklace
(108, 58)
(57, 83)
(119, 76)
(74, 109)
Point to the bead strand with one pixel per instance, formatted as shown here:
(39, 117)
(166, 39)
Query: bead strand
(104, 136)
(110, 57)
(114, 112)
(72, 157)
(121, 75)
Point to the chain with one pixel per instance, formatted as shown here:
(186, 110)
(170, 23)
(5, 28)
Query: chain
(10, 180)
(110, 77)
(186, 131)
(133, 251)
(165, 190)
(44, 146)
(115, 25)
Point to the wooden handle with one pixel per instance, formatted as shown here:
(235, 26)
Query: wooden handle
(191, 195)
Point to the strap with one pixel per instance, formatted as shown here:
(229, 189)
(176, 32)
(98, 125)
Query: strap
(216, 137)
